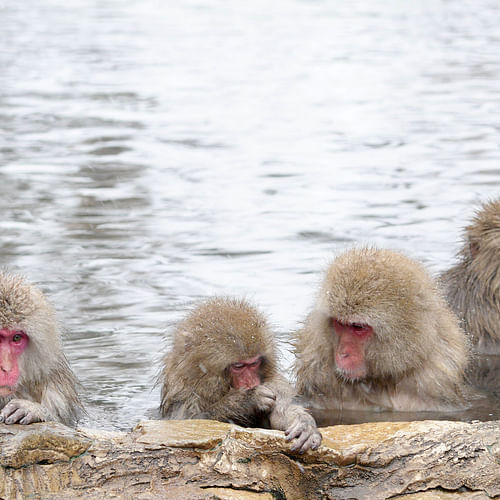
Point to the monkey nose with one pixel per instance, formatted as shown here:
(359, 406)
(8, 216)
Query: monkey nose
(6, 365)
(6, 359)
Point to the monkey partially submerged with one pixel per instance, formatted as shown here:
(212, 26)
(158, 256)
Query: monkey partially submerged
(36, 382)
(380, 336)
(223, 366)
(473, 284)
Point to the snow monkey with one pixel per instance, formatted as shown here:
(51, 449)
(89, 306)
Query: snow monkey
(36, 383)
(473, 284)
(380, 336)
(223, 366)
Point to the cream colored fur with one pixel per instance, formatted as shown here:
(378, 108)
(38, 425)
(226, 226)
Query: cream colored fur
(417, 357)
(45, 376)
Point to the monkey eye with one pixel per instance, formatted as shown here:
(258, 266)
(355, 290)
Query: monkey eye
(17, 337)
(360, 329)
(238, 366)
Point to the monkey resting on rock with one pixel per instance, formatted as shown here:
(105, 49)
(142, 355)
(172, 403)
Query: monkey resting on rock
(36, 382)
(223, 366)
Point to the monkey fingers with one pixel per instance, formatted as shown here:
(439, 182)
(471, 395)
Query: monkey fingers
(265, 398)
(306, 436)
(21, 411)
(311, 443)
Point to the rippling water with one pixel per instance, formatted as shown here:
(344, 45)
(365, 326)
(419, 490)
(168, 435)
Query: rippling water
(152, 154)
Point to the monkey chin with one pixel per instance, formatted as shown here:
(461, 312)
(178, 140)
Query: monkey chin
(5, 390)
(352, 376)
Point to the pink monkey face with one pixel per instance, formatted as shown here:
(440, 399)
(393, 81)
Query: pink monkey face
(12, 344)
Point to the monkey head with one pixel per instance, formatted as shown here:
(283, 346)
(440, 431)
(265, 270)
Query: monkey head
(483, 234)
(372, 312)
(227, 341)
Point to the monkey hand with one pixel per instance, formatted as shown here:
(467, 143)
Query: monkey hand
(264, 398)
(303, 429)
(22, 411)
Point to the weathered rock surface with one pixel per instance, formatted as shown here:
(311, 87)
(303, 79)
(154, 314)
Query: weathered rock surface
(201, 459)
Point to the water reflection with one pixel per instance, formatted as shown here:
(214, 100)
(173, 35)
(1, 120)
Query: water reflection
(484, 410)
(154, 154)
(484, 377)
(486, 374)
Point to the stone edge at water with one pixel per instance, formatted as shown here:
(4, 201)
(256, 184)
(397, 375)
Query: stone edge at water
(201, 459)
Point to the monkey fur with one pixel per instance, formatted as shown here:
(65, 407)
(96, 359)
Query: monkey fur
(46, 387)
(195, 381)
(472, 285)
(417, 356)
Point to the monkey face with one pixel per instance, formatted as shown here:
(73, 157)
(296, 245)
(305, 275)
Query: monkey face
(246, 373)
(350, 356)
(12, 344)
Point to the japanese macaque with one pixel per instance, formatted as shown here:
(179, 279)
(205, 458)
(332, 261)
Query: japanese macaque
(473, 284)
(381, 337)
(223, 366)
(36, 383)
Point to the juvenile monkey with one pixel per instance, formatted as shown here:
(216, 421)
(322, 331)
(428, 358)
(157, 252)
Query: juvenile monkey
(36, 383)
(473, 284)
(380, 336)
(223, 366)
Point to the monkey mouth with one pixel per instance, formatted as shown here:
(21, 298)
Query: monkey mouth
(5, 390)
(351, 375)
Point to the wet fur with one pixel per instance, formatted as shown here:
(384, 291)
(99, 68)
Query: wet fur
(45, 376)
(417, 359)
(195, 379)
(473, 284)
(217, 333)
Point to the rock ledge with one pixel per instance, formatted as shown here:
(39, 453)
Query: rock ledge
(202, 459)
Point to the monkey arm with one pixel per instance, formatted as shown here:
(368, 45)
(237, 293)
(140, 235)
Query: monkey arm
(53, 398)
(240, 405)
(295, 420)
(60, 396)
(62, 404)
(57, 404)
(236, 405)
